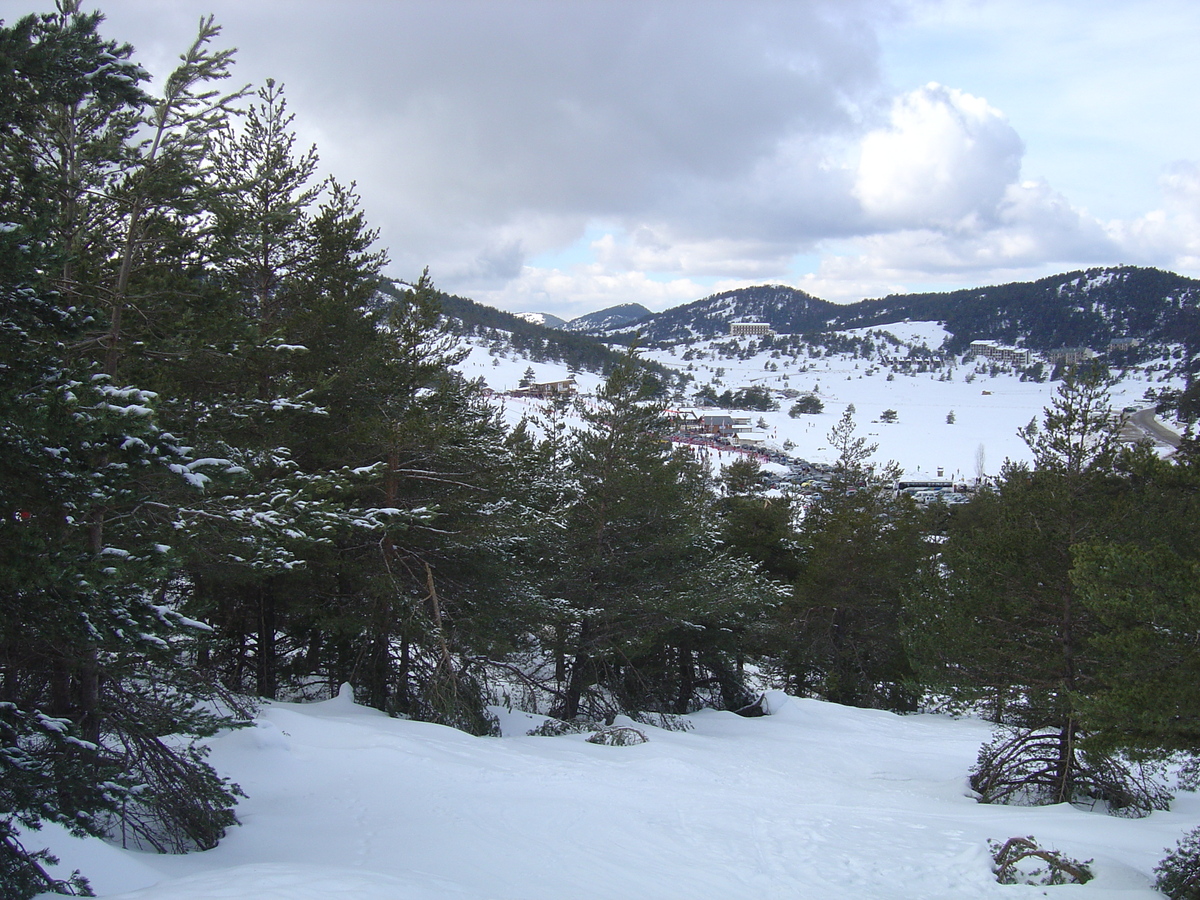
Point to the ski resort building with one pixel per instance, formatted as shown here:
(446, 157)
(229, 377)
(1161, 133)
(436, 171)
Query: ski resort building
(1015, 356)
(712, 422)
(744, 329)
(546, 390)
(1069, 356)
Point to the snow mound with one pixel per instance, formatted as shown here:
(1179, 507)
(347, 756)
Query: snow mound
(290, 881)
(815, 800)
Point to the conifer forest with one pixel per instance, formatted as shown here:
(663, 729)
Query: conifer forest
(234, 467)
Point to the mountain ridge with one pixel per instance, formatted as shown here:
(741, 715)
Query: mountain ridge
(611, 317)
(1089, 307)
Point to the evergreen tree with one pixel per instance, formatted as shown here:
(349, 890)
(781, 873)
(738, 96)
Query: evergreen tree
(263, 206)
(1005, 623)
(94, 696)
(756, 526)
(808, 405)
(651, 604)
(284, 349)
(447, 578)
(840, 636)
(1141, 589)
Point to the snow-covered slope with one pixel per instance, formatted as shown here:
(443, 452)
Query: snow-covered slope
(546, 319)
(503, 369)
(987, 409)
(613, 317)
(816, 801)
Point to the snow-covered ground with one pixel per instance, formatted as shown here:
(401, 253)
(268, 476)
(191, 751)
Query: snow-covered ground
(816, 801)
(987, 410)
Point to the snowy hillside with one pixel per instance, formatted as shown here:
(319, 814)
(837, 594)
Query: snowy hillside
(988, 409)
(817, 801)
(614, 317)
(1088, 307)
(545, 319)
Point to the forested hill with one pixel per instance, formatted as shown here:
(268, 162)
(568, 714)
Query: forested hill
(1082, 308)
(787, 310)
(466, 317)
(607, 319)
(1086, 308)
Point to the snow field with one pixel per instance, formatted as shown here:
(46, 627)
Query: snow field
(988, 411)
(815, 801)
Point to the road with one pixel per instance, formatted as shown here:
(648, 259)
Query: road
(1145, 421)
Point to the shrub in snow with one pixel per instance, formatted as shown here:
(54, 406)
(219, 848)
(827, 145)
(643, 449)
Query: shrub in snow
(665, 721)
(806, 406)
(1020, 860)
(618, 736)
(558, 727)
(1179, 872)
(1025, 767)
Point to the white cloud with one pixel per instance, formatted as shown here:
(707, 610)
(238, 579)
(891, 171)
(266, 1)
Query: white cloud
(1034, 231)
(587, 288)
(717, 142)
(945, 160)
(1169, 236)
(657, 249)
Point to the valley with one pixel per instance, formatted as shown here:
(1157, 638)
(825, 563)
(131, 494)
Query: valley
(989, 404)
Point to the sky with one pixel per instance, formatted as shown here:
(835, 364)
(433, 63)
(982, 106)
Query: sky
(564, 157)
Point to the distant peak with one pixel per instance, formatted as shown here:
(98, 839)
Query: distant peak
(545, 319)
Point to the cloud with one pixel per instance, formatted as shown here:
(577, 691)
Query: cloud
(710, 143)
(945, 160)
(588, 288)
(1035, 231)
(463, 122)
(659, 250)
(1169, 235)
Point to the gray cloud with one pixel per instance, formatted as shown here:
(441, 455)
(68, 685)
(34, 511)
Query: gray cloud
(460, 117)
(714, 141)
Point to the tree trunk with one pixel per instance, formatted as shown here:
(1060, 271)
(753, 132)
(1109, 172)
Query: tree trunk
(1064, 776)
(579, 667)
(266, 673)
(687, 680)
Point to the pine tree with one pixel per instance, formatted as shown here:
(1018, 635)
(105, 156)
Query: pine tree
(652, 606)
(1004, 621)
(441, 597)
(841, 634)
(263, 205)
(283, 276)
(47, 771)
(90, 640)
(1141, 589)
(754, 525)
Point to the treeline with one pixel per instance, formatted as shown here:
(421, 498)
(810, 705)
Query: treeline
(786, 309)
(578, 351)
(1088, 308)
(228, 471)
(755, 397)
